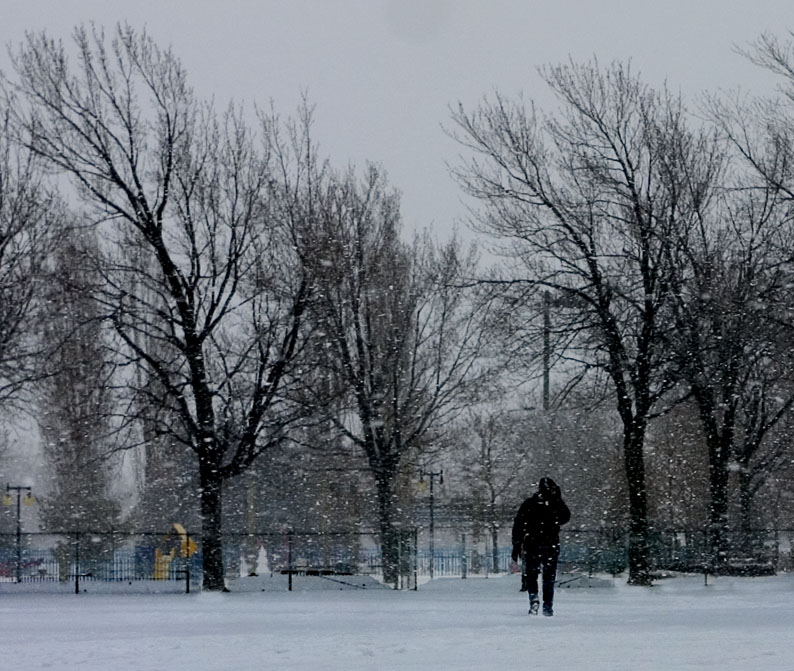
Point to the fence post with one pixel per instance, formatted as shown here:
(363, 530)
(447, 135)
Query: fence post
(77, 562)
(398, 576)
(463, 558)
(777, 547)
(186, 571)
(416, 558)
(188, 560)
(289, 558)
(590, 562)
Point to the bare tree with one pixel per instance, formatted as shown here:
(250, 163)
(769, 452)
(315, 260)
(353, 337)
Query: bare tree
(31, 218)
(730, 279)
(588, 202)
(401, 340)
(760, 130)
(194, 195)
(75, 402)
(762, 451)
(748, 281)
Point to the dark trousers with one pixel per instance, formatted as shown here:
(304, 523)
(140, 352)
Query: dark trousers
(542, 559)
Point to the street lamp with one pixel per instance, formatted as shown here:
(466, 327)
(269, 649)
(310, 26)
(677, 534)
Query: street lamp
(29, 501)
(432, 475)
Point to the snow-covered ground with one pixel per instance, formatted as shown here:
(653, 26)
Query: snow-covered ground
(743, 624)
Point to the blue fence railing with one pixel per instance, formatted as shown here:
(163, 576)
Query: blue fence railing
(167, 557)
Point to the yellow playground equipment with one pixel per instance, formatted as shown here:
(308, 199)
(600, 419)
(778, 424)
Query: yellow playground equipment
(176, 544)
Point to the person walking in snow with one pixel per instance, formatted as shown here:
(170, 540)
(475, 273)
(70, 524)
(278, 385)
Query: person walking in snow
(536, 535)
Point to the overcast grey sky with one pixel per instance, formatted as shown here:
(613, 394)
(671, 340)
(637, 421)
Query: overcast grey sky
(382, 73)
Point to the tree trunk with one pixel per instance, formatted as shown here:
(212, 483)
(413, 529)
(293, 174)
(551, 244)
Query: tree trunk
(747, 537)
(211, 542)
(718, 513)
(389, 535)
(639, 569)
(718, 509)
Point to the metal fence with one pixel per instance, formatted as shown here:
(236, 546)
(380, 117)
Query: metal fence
(341, 552)
(66, 561)
(605, 550)
(171, 561)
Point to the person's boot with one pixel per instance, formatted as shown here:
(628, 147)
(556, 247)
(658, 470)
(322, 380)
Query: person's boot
(534, 604)
(548, 611)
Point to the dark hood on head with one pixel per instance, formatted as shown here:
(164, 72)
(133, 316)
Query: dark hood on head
(547, 488)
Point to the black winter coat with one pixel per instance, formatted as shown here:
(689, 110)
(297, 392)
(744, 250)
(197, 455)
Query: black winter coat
(538, 522)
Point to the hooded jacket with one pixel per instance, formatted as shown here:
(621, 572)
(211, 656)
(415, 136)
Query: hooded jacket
(538, 521)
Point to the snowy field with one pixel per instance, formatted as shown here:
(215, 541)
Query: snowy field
(733, 623)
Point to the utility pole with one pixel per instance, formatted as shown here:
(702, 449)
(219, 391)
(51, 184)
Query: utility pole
(28, 500)
(546, 348)
(432, 475)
